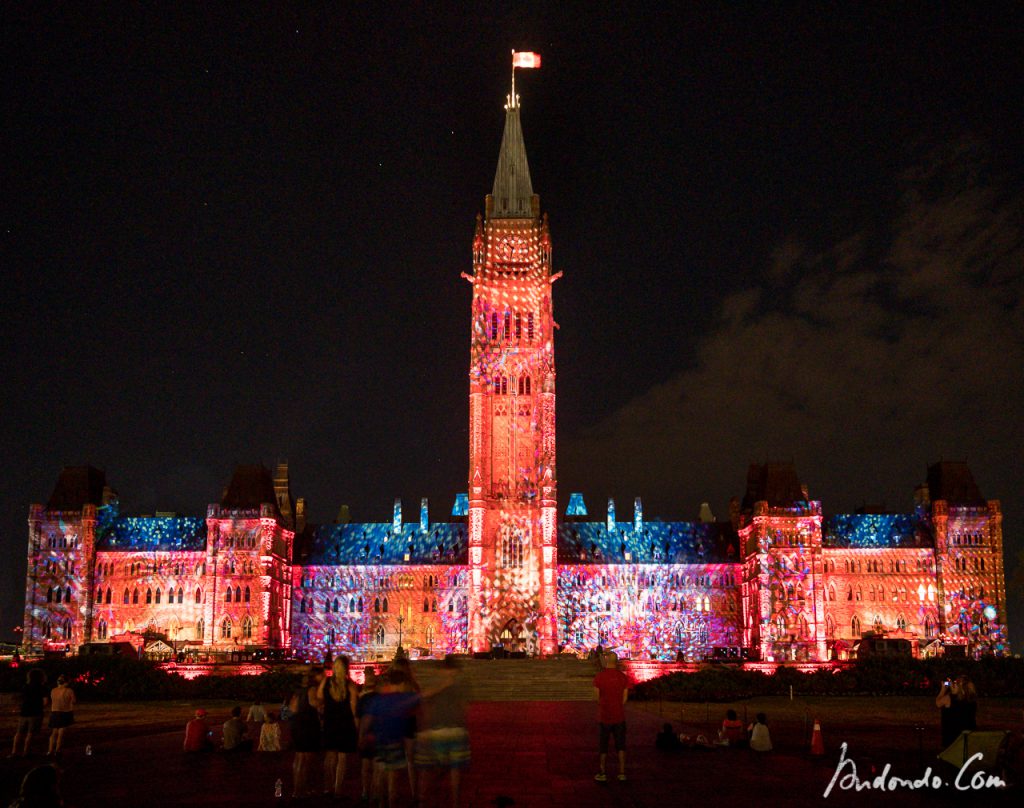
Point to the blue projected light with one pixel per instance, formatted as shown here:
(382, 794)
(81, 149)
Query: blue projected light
(875, 530)
(656, 543)
(377, 543)
(461, 506)
(576, 506)
(117, 532)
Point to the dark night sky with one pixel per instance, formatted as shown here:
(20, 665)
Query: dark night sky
(235, 237)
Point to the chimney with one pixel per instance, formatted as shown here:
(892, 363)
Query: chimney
(396, 519)
(638, 515)
(611, 514)
(424, 515)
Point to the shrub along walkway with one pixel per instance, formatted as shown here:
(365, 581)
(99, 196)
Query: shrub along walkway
(534, 753)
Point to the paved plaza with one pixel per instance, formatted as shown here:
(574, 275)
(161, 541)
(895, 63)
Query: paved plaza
(535, 754)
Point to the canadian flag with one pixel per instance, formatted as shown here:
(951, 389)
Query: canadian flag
(525, 59)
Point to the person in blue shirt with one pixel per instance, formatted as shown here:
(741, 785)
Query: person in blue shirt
(386, 718)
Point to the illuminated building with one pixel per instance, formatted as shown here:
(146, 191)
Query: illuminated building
(779, 579)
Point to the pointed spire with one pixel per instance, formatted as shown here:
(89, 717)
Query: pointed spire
(513, 192)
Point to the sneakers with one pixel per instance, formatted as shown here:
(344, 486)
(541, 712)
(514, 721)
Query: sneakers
(601, 777)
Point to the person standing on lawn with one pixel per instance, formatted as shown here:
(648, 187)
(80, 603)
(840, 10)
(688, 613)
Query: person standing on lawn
(62, 714)
(611, 689)
(33, 703)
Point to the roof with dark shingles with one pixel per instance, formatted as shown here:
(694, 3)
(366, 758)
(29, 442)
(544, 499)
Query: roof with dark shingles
(76, 487)
(774, 483)
(250, 487)
(513, 191)
(954, 483)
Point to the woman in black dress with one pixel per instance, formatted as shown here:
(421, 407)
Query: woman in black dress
(305, 729)
(338, 697)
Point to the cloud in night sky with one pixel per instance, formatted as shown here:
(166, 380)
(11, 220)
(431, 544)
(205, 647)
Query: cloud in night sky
(861, 361)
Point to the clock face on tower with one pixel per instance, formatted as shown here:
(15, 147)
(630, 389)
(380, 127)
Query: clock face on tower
(512, 250)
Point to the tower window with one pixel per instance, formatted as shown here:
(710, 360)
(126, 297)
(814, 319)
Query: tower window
(519, 326)
(494, 325)
(529, 326)
(512, 551)
(508, 324)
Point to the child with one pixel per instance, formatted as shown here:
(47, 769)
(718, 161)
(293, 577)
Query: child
(760, 740)
(732, 730)
(270, 734)
(667, 741)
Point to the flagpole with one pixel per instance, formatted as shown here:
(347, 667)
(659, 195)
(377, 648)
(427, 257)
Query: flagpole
(512, 101)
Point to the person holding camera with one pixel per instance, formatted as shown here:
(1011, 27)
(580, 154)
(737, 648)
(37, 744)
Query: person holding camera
(947, 719)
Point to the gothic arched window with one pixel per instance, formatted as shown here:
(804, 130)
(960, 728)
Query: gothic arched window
(225, 628)
(247, 628)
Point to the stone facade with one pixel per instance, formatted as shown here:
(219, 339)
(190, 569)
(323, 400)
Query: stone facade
(779, 580)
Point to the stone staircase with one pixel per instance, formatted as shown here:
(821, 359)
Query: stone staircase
(559, 679)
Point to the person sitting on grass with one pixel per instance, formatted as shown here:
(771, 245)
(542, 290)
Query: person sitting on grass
(760, 740)
(732, 730)
(197, 733)
(667, 740)
(270, 733)
(234, 733)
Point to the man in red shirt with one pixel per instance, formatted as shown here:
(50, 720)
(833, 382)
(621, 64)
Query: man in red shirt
(611, 688)
(197, 733)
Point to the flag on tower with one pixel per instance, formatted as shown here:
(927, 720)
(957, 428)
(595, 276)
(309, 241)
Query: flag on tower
(525, 59)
